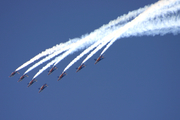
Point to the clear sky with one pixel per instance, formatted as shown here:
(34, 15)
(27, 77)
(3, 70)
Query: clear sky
(138, 79)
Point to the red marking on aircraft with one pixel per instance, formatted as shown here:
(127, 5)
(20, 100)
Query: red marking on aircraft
(52, 69)
(61, 76)
(98, 59)
(42, 87)
(80, 67)
(13, 73)
(22, 77)
(31, 82)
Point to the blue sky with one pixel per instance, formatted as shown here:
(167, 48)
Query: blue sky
(138, 79)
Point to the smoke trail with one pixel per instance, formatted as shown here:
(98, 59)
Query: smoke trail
(42, 54)
(84, 42)
(64, 48)
(160, 18)
(45, 53)
(169, 26)
(100, 33)
(80, 44)
(106, 40)
(133, 24)
(161, 23)
(73, 47)
(83, 53)
(59, 58)
(120, 20)
(44, 68)
(87, 41)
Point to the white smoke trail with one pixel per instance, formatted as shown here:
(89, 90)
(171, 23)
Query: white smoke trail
(42, 54)
(84, 52)
(64, 48)
(43, 60)
(159, 28)
(44, 68)
(106, 40)
(119, 20)
(59, 58)
(159, 18)
(111, 37)
(133, 24)
(154, 26)
(81, 55)
(45, 53)
(98, 34)
(73, 47)
(85, 41)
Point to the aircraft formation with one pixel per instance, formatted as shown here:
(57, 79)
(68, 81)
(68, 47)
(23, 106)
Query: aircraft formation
(159, 18)
(49, 72)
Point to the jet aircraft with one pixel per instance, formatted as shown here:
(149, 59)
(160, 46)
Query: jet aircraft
(13, 73)
(52, 69)
(99, 58)
(80, 67)
(42, 87)
(22, 77)
(61, 76)
(31, 82)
